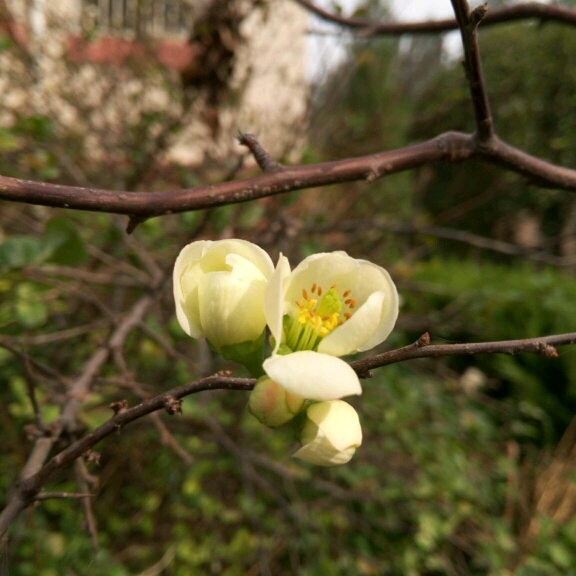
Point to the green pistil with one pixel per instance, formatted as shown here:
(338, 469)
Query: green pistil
(329, 304)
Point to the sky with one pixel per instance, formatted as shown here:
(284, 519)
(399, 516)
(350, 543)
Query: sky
(326, 50)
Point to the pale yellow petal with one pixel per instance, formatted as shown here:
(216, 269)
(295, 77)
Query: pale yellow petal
(231, 309)
(356, 331)
(274, 299)
(313, 375)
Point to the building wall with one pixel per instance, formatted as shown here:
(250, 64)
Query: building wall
(92, 81)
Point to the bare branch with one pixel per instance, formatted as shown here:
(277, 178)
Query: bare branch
(447, 147)
(367, 27)
(264, 160)
(468, 24)
(30, 485)
(456, 235)
(544, 346)
(62, 496)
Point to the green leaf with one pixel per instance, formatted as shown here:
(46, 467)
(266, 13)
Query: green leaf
(63, 243)
(18, 251)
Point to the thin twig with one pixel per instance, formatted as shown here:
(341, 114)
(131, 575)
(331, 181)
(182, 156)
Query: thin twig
(468, 24)
(82, 480)
(544, 346)
(368, 27)
(31, 484)
(62, 495)
(463, 236)
(264, 160)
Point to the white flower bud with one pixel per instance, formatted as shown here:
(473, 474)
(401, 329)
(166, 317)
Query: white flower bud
(331, 434)
(219, 290)
(272, 404)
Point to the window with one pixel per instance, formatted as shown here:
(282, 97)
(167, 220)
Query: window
(139, 17)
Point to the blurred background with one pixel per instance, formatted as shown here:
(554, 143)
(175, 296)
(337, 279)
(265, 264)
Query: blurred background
(468, 464)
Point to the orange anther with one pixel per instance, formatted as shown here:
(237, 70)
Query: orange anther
(319, 290)
(313, 287)
(299, 304)
(340, 323)
(305, 294)
(353, 303)
(347, 315)
(334, 286)
(349, 301)
(347, 293)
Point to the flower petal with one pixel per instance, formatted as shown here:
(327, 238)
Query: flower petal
(390, 305)
(185, 285)
(313, 375)
(356, 331)
(230, 308)
(317, 452)
(331, 433)
(214, 257)
(274, 299)
(325, 269)
(244, 269)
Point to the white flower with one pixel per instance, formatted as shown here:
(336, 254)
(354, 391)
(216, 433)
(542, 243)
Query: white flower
(329, 305)
(331, 434)
(336, 304)
(219, 290)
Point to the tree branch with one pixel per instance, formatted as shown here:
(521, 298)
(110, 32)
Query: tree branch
(447, 147)
(34, 477)
(453, 234)
(544, 346)
(30, 485)
(367, 27)
(468, 24)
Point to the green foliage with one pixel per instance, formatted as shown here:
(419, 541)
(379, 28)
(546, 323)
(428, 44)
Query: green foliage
(532, 101)
(430, 490)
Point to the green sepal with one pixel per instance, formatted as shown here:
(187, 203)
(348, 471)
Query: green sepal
(250, 354)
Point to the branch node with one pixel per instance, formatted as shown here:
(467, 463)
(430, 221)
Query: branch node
(548, 351)
(374, 174)
(133, 223)
(424, 340)
(172, 405)
(119, 407)
(92, 456)
(264, 160)
(477, 15)
(224, 373)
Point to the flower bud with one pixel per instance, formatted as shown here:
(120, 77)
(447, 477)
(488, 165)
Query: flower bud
(219, 291)
(272, 404)
(330, 434)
